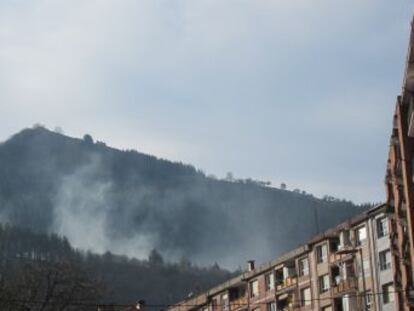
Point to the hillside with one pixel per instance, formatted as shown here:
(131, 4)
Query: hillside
(127, 202)
(55, 274)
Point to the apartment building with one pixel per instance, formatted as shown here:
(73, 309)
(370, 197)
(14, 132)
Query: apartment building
(347, 268)
(366, 263)
(399, 187)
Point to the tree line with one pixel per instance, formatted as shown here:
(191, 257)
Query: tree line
(41, 272)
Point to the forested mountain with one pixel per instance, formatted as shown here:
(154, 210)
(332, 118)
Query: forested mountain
(128, 202)
(43, 272)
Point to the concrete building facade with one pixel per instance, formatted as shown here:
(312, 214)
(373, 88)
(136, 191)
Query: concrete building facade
(345, 269)
(399, 187)
(366, 263)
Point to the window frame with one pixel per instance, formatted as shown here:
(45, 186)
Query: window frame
(320, 258)
(368, 299)
(305, 302)
(270, 281)
(269, 306)
(252, 292)
(387, 294)
(382, 258)
(302, 268)
(324, 286)
(225, 301)
(382, 227)
(358, 240)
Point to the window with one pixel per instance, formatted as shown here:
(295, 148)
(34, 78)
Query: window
(324, 283)
(271, 306)
(344, 239)
(382, 227)
(361, 235)
(385, 260)
(214, 304)
(348, 270)
(321, 253)
(334, 244)
(388, 293)
(303, 266)
(306, 296)
(326, 308)
(368, 299)
(335, 274)
(279, 276)
(225, 302)
(289, 270)
(254, 288)
(347, 303)
(367, 267)
(270, 281)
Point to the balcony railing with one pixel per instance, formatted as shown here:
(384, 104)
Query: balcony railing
(238, 303)
(290, 305)
(344, 286)
(343, 253)
(288, 282)
(334, 258)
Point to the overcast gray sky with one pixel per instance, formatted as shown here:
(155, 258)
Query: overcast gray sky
(294, 91)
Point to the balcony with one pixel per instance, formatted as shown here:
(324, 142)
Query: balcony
(286, 283)
(238, 303)
(286, 302)
(334, 258)
(345, 286)
(343, 253)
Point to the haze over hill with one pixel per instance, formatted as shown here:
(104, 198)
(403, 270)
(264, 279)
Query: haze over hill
(128, 202)
(28, 258)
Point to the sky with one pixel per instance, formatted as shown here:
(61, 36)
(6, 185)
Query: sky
(293, 91)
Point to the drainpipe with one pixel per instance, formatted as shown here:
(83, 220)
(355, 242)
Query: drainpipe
(363, 280)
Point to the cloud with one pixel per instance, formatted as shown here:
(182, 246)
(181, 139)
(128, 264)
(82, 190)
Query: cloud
(226, 85)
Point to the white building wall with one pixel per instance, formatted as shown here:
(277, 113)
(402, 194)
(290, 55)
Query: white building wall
(381, 277)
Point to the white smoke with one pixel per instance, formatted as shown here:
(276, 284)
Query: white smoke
(82, 206)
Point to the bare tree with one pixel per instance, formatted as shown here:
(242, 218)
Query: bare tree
(46, 286)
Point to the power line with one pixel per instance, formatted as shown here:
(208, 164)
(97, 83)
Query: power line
(350, 295)
(73, 304)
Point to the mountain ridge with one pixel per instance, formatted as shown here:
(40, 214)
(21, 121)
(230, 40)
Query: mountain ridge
(129, 202)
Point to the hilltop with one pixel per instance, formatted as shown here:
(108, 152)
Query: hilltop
(129, 202)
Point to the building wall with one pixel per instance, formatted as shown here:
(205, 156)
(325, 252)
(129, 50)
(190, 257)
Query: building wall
(352, 291)
(347, 289)
(400, 189)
